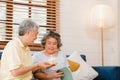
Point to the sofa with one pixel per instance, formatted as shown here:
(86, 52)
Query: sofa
(106, 72)
(0, 55)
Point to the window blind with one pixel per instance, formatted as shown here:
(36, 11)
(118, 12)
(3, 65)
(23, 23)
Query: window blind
(12, 12)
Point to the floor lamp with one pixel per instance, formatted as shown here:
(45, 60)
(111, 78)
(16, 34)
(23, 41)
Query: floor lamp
(102, 17)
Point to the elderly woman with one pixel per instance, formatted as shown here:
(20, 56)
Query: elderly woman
(51, 43)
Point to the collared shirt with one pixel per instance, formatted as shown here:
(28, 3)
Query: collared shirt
(14, 56)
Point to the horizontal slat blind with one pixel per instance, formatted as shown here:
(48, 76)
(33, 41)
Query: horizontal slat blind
(12, 12)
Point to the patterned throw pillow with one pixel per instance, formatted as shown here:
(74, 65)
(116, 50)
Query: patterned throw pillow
(85, 71)
(73, 65)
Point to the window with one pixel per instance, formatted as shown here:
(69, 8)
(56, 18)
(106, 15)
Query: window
(12, 12)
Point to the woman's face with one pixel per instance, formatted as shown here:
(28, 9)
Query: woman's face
(51, 45)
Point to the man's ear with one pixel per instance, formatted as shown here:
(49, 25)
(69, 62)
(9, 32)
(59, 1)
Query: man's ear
(28, 32)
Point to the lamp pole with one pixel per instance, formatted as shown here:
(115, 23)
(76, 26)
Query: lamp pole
(102, 45)
(102, 16)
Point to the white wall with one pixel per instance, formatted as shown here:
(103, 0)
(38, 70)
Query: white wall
(119, 27)
(78, 36)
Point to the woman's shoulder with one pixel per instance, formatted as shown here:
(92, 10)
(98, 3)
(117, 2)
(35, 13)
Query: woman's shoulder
(61, 53)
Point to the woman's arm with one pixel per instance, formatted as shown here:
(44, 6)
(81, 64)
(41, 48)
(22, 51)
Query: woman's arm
(41, 75)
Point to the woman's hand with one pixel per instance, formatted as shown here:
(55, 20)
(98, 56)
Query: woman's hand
(56, 74)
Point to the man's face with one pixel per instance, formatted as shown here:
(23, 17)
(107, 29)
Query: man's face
(32, 36)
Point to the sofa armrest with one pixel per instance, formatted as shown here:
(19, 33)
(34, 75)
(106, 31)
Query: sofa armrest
(107, 72)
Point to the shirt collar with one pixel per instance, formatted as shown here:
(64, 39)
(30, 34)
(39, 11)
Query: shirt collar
(22, 45)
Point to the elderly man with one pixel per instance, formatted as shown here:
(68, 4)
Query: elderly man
(16, 62)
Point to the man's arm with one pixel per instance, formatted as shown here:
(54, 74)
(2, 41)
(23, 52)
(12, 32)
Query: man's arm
(24, 69)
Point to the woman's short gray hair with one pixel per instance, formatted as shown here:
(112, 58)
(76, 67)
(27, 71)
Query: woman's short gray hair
(27, 24)
(54, 35)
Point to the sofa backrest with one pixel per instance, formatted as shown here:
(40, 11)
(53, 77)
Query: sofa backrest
(107, 72)
(81, 55)
(0, 55)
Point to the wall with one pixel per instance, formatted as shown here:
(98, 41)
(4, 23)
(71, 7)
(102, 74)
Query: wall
(119, 27)
(78, 36)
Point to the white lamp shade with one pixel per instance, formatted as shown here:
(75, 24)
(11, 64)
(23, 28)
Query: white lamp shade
(102, 16)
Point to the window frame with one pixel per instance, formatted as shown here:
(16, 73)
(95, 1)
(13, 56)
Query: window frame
(52, 10)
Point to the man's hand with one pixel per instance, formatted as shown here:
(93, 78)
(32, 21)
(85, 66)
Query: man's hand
(45, 65)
